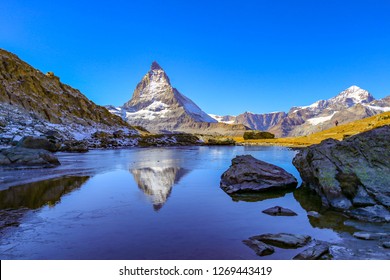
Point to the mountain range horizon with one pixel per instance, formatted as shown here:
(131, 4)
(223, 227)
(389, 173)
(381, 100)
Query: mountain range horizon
(157, 106)
(154, 103)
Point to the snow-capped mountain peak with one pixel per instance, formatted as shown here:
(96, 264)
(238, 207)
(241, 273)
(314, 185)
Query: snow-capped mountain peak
(352, 96)
(158, 106)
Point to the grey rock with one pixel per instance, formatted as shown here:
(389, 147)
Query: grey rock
(376, 213)
(371, 235)
(74, 146)
(4, 160)
(313, 253)
(247, 174)
(279, 211)
(362, 198)
(355, 171)
(283, 240)
(259, 247)
(28, 157)
(31, 142)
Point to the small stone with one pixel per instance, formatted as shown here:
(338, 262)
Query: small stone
(279, 211)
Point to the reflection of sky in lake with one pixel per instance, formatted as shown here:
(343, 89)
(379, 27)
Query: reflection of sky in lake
(110, 215)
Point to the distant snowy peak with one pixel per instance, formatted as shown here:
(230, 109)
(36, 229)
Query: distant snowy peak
(352, 96)
(345, 99)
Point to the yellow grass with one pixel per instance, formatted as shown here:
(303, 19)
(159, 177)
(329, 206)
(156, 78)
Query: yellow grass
(338, 132)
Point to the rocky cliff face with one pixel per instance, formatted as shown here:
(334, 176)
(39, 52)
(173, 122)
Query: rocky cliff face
(32, 103)
(259, 121)
(159, 107)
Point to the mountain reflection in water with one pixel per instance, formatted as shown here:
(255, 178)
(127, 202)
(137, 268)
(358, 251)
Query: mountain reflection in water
(157, 182)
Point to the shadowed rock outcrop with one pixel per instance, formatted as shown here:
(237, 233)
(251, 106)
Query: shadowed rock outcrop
(17, 156)
(352, 175)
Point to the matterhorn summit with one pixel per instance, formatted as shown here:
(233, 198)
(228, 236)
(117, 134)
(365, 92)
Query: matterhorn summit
(159, 107)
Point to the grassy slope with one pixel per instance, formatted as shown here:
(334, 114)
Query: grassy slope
(337, 132)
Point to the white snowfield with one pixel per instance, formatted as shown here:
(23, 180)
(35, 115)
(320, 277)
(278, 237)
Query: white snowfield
(318, 120)
(384, 109)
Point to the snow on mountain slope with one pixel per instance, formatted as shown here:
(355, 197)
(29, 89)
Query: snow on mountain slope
(223, 119)
(319, 120)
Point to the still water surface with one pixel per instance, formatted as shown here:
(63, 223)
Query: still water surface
(154, 203)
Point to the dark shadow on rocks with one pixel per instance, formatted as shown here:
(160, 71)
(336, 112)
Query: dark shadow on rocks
(326, 219)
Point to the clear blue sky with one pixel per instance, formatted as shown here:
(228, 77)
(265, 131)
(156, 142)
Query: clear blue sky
(227, 56)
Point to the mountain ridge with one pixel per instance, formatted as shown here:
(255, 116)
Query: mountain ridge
(33, 103)
(349, 105)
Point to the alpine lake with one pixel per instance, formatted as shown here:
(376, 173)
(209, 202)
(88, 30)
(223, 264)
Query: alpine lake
(151, 203)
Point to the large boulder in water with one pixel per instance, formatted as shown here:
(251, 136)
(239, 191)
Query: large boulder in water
(350, 173)
(17, 156)
(247, 174)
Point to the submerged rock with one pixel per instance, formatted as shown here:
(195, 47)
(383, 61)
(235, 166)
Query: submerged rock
(354, 172)
(283, 240)
(313, 253)
(259, 247)
(279, 211)
(17, 156)
(247, 174)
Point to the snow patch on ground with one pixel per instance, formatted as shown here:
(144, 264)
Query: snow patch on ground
(220, 119)
(318, 120)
